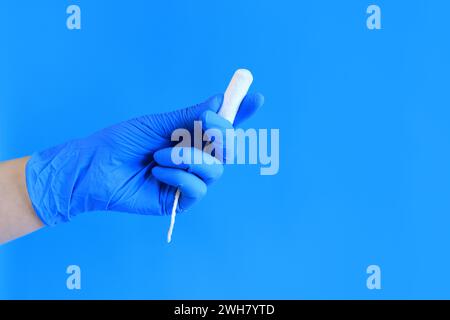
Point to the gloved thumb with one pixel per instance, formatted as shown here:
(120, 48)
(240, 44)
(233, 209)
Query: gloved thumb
(184, 118)
(166, 123)
(157, 129)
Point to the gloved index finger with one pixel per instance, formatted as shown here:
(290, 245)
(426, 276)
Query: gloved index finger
(200, 163)
(251, 103)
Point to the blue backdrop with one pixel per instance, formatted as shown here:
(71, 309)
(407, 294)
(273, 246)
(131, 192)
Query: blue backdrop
(364, 126)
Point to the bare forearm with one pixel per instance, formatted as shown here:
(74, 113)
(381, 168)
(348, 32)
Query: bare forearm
(17, 217)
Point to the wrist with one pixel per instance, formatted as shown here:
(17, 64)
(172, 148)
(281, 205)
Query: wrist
(17, 216)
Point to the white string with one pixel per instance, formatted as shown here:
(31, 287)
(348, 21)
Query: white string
(173, 216)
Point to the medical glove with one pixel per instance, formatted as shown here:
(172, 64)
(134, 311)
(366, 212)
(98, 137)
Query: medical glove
(128, 167)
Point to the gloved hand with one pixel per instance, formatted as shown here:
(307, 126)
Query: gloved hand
(128, 167)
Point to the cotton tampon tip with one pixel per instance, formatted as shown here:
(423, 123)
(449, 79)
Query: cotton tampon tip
(235, 93)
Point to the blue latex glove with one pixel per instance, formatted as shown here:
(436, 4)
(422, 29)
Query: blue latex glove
(127, 167)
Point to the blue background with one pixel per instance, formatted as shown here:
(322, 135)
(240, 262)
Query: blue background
(364, 163)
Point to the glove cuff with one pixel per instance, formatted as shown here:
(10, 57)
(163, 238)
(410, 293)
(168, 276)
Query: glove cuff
(49, 198)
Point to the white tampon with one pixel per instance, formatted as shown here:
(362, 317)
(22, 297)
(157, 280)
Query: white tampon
(236, 91)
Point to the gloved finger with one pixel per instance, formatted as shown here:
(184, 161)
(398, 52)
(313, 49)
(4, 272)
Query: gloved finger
(192, 188)
(193, 160)
(218, 130)
(214, 123)
(251, 103)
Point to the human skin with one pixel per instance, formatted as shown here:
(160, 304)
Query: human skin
(17, 216)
